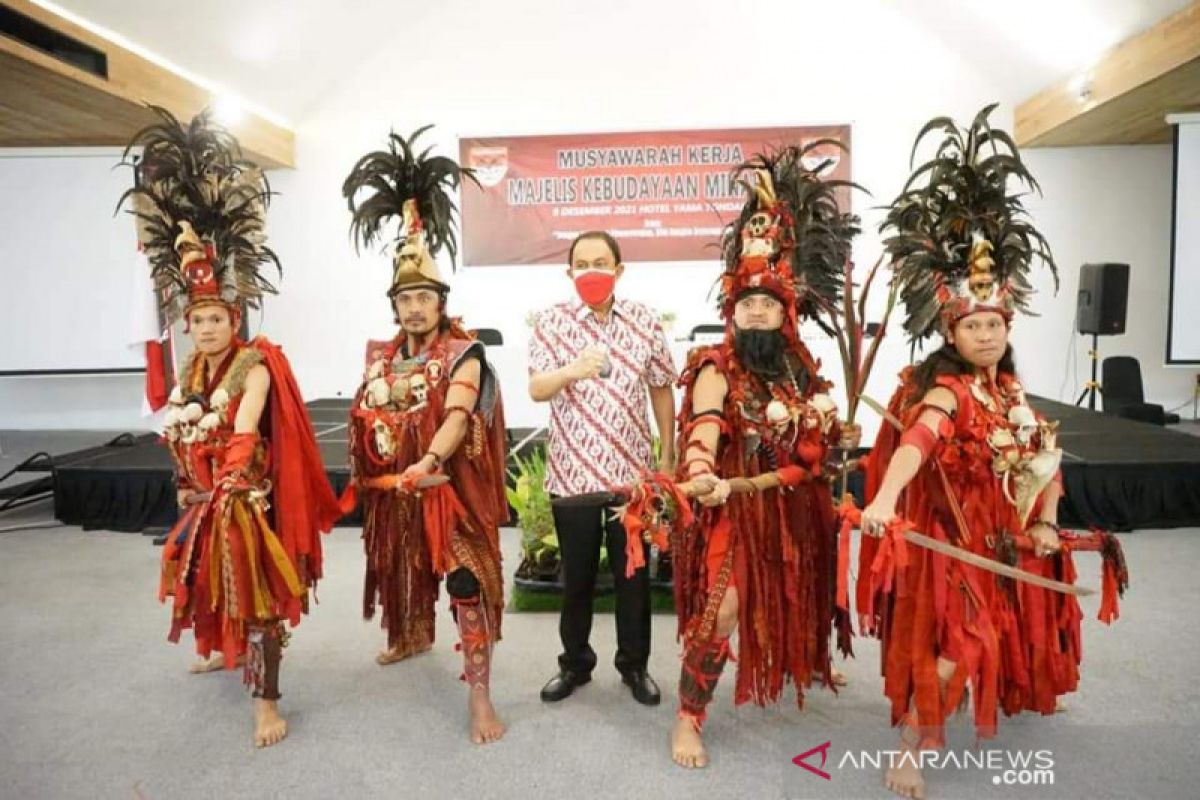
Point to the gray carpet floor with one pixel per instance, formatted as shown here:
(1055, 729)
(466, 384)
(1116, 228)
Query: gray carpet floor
(95, 702)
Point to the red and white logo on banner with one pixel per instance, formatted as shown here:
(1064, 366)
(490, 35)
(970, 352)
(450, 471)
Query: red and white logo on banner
(490, 164)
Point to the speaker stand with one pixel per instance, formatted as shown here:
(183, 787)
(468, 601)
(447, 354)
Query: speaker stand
(1092, 387)
(1196, 399)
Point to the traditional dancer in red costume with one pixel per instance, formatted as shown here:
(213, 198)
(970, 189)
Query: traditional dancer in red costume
(975, 465)
(755, 404)
(429, 402)
(251, 484)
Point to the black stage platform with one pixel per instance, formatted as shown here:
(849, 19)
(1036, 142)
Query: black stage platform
(1119, 474)
(1122, 475)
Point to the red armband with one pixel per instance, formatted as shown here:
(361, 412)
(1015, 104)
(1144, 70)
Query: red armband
(920, 437)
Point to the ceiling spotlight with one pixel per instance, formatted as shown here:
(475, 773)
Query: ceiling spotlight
(227, 110)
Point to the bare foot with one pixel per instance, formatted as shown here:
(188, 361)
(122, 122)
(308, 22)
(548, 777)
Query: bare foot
(687, 748)
(904, 777)
(210, 664)
(395, 654)
(486, 727)
(269, 727)
(836, 676)
(213, 664)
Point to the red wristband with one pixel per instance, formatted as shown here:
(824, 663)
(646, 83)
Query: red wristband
(238, 454)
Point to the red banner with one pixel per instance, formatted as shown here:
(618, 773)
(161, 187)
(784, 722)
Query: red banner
(665, 195)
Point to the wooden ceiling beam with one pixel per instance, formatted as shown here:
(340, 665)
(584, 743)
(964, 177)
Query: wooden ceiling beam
(1125, 97)
(46, 102)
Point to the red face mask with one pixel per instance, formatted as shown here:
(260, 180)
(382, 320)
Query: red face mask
(595, 287)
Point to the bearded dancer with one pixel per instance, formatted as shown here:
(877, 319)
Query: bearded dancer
(762, 564)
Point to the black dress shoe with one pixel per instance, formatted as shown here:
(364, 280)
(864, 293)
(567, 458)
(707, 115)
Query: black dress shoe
(643, 687)
(561, 685)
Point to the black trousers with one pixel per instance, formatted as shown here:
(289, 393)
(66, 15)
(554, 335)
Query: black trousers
(580, 531)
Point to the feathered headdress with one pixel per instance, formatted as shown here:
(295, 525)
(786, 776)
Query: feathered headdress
(791, 238)
(414, 189)
(202, 214)
(960, 241)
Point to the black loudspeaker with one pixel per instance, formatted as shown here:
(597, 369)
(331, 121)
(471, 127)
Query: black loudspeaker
(1102, 299)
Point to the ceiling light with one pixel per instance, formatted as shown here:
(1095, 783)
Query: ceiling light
(227, 110)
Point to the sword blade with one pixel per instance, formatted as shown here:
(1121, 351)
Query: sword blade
(996, 567)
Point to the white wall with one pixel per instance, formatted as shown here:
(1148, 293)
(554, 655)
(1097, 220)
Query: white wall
(1103, 204)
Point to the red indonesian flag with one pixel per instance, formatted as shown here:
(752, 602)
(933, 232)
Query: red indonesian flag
(146, 334)
(665, 195)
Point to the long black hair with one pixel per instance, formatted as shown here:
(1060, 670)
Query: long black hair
(946, 360)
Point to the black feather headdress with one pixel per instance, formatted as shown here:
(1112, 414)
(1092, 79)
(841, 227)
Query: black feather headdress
(960, 239)
(415, 189)
(202, 212)
(792, 238)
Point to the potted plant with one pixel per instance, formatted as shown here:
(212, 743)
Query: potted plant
(527, 495)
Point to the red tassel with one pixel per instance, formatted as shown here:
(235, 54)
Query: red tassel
(640, 518)
(1109, 608)
(896, 530)
(850, 516)
(634, 557)
(349, 499)
(156, 375)
(883, 568)
(442, 512)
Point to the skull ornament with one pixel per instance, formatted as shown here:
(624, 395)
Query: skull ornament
(981, 280)
(757, 239)
(433, 372)
(385, 444)
(778, 416)
(192, 413)
(377, 393)
(823, 404)
(419, 389)
(219, 402)
(207, 424)
(758, 224)
(1025, 423)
